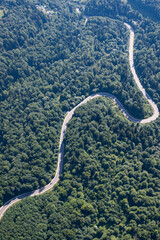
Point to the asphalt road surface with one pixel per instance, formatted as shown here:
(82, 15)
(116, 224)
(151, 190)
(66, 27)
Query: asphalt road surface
(131, 62)
(69, 116)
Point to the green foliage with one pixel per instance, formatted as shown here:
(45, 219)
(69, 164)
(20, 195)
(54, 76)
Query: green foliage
(48, 65)
(112, 8)
(147, 58)
(109, 188)
(149, 9)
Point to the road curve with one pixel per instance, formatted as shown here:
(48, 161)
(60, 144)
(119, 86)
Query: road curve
(131, 62)
(69, 116)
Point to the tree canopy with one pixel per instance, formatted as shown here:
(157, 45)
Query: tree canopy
(53, 54)
(109, 188)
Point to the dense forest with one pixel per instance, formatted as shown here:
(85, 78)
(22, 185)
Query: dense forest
(48, 65)
(110, 184)
(148, 66)
(112, 8)
(50, 61)
(148, 8)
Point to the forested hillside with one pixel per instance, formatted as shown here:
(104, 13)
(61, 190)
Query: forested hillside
(49, 62)
(147, 58)
(146, 55)
(109, 188)
(47, 66)
(112, 8)
(148, 8)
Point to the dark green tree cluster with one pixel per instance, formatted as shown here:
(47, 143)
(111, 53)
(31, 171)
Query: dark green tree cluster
(112, 8)
(109, 188)
(31, 114)
(148, 8)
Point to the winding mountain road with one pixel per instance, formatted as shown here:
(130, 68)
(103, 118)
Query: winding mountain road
(69, 116)
(131, 62)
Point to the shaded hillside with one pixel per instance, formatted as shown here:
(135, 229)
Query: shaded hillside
(111, 8)
(147, 57)
(48, 65)
(149, 9)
